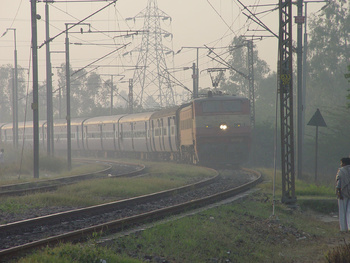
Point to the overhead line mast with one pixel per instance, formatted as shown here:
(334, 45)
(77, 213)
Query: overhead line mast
(285, 89)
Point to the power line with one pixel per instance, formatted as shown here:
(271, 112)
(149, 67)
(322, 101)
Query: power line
(64, 31)
(221, 18)
(75, 1)
(100, 58)
(257, 20)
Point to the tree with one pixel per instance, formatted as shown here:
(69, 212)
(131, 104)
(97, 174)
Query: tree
(88, 93)
(236, 83)
(329, 55)
(347, 76)
(6, 86)
(264, 81)
(5, 89)
(122, 99)
(85, 89)
(265, 94)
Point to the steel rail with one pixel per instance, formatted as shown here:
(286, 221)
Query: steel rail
(96, 209)
(121, 224)
(53, 184)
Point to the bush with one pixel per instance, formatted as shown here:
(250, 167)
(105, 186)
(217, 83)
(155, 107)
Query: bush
(52, 164)
(339, 254)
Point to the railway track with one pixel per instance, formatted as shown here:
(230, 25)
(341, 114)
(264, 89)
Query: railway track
(80, 224)
(110, 168)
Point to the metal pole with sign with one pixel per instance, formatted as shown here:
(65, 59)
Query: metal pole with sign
(317, 120)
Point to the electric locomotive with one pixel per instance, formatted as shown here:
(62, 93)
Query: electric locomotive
(216, 130)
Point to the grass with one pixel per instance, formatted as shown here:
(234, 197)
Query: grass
(19, 169)
(68, 253)
(244, 231)
(93, 192)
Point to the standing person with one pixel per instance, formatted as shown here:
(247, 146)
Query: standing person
(2, 157)
(343, 193)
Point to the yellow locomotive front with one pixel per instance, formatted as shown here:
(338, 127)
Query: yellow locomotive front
(221, 130)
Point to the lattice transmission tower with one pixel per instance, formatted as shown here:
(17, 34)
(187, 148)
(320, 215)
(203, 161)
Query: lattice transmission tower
(151, 80)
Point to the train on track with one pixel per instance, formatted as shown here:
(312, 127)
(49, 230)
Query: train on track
(208, 130)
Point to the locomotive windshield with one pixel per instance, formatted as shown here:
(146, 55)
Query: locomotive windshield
(221, 106)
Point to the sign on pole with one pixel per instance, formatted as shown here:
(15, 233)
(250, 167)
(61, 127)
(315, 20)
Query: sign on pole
(317, 120)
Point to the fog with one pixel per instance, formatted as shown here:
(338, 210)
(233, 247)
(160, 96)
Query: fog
(193, 24)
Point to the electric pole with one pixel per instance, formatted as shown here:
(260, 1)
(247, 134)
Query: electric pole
(131, 96)
(35, 104)
(251, 81)
(285, 90)
(49, 109)
(299, 20)
(69, 135)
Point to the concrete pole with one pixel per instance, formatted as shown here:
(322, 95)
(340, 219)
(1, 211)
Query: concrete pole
(35, 104)
(16, 91)
(197, 75)
(304, 71)
(69, 144)
(131, 96)
(299, 87)
(111, 112)
(13, 110)
(49, 109)
(195, 91)
(60, 103)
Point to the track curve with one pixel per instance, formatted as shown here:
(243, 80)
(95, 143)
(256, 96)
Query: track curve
(102, 218)
(111, 168)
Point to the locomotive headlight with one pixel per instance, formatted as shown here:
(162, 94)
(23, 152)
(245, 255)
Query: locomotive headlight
(223, 127)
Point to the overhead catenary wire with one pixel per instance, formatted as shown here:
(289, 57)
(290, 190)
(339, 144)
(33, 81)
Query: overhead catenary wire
(14, 19)
(177, 81)
(205, 63)
(223, 20)
(229, 29)
(79, 1)
(258, 21)
(100, 59)
(75, 24)
(96, 30)
(225, 63)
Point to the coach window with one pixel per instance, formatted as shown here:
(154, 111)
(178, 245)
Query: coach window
(132, 127)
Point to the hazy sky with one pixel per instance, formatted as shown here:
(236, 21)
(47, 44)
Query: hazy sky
(194, 23)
